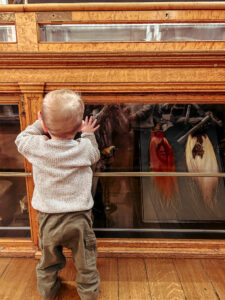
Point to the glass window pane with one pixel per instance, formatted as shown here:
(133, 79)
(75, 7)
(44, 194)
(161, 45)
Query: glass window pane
(182, 139)
(132, 137)
(7, 33)
(10, 159)
(14, 217)
(132, 32)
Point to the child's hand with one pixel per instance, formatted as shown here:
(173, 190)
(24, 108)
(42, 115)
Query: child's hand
(88, 126)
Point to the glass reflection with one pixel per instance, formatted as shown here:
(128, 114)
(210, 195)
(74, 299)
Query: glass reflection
(7, 33)
(14, 216)
(10, 159)
(159, 138)
(132, 32)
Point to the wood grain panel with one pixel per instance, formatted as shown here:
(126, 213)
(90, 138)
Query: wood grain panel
(8, 47)
(7, 17)
(163, 280)
(160, 16)
(196, 284)
(26, 32)
(132, 47)
(113, 75)
(46, 17)
(133, 283)
(32, 101)
(215, 269)
(108, 270)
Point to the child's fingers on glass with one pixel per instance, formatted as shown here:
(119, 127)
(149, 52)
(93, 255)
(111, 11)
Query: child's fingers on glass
(86, 120)
(96, 128)
(94, 122)
(90, 120)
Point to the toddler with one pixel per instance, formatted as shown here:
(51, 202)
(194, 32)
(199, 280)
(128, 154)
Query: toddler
(63, 178)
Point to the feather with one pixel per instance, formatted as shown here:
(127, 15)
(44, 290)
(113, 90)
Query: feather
(200, 157)
(162, 160)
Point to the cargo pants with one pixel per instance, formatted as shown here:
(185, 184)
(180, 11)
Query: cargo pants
(74, 231)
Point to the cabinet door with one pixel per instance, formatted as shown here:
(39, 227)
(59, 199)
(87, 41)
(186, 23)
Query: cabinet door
(14, 215)
(161, 172)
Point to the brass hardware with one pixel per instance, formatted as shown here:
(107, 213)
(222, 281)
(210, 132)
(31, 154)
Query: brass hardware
(155, 174)
(15, 174)
(129, 174)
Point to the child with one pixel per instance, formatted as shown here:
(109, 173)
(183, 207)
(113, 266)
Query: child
(62, 194)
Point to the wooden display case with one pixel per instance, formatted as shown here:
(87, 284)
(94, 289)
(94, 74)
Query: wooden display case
(135, 71)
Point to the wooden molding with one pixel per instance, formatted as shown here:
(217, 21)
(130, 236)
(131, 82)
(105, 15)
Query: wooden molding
(31, 87)
(17, 248)
(145, 87)
(114, 6)
(170, 92)
(168, 248)
(156, 248)
(169, 59)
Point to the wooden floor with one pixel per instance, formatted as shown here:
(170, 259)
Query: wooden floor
(124, 279)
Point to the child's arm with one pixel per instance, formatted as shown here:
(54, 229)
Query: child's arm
(88, 128)
(28, 141)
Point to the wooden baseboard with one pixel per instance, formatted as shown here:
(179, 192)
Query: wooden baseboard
(157, 248)
(17, 248)
(168, 248)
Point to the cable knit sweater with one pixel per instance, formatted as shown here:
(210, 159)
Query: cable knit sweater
(61, 169)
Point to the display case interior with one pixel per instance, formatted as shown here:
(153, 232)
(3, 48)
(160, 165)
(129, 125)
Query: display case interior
(138, 143)
(14, 217)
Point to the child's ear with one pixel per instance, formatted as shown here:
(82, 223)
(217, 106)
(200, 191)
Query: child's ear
(42, 122)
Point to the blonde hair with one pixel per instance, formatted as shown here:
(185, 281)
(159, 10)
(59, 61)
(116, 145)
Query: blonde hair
(62, 113)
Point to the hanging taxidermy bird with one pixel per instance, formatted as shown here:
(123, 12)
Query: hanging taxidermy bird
(162, 160)
(200, 157)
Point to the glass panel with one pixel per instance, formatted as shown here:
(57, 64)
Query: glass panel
(185, 139)
(7, 33)
(10, 159)
(132, 32)
(14, 217)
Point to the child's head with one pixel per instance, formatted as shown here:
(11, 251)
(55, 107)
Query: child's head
(62, 113)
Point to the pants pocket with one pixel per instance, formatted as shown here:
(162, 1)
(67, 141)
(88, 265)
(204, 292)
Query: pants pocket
(90, 248)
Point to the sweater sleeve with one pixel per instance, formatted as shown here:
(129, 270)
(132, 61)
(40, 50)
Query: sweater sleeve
(94, 151)
(29, 141)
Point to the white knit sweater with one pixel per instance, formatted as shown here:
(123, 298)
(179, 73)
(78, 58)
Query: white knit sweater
(61, 169)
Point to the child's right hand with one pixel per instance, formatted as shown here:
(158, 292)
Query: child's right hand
(88, 126)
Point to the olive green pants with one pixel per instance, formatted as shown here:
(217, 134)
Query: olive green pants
(74, 231)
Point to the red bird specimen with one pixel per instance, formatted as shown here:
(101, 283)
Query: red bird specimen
(200, 157)
(162, 160)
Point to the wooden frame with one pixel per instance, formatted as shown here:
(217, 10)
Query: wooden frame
(111, 72)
